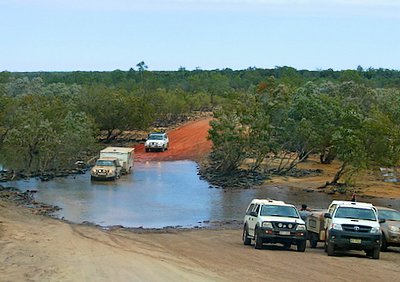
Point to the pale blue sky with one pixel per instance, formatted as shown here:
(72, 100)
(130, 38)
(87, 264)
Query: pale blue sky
(102, 35)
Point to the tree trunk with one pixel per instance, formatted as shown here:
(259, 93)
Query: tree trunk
(110, 136)
(339, 174)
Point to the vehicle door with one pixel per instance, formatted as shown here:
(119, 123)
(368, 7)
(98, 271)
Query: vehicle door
(328, 221)
(253, 217)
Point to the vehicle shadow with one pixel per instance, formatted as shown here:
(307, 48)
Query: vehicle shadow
(277, 247)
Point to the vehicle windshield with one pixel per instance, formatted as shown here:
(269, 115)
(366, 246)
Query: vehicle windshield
(104, 163)
(155, 137)
(389, 215)
(282, 211)
(355, 213)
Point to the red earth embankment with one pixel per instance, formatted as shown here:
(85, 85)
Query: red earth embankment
(188, 142)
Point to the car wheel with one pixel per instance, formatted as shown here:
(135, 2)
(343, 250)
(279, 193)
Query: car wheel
(375, 253)
(330, 249)
(246, 239)
(301, 246)
(384, 245)
(257, 240)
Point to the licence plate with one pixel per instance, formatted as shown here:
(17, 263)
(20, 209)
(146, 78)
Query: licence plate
(355, 241)
(284, 232)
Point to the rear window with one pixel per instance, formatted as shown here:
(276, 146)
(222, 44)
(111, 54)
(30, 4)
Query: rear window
(355, 213)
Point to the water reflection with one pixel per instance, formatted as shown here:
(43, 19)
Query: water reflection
(157, 194)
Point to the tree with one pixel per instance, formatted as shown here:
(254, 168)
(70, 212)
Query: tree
(313, 117)
(45, 133)
(116, 110)
(364, 142)
(142, 68)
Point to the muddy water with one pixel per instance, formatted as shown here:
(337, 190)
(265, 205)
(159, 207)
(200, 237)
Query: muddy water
(155, 195)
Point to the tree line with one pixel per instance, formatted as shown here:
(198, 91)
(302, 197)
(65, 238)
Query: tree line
(51, 126)
(275, 117)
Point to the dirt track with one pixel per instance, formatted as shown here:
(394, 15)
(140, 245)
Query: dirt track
(37, 248)
(186, 142)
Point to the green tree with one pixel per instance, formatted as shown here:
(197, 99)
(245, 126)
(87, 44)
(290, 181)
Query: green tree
(116, 110)
(142, 67)
(38, 129)
(366, 142)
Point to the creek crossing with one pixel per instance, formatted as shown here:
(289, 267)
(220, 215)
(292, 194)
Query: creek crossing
(156, 195)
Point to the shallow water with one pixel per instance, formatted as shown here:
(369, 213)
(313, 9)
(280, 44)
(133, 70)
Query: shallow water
(156, 195)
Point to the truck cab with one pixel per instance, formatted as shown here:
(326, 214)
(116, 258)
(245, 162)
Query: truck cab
(352, 226)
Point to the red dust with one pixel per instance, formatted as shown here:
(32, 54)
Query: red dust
(188, 142)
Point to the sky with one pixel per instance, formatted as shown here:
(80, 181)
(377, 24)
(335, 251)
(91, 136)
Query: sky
(105, 35)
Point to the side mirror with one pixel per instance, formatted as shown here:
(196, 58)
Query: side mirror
(327, 215)
(253, 213)
(382, 220)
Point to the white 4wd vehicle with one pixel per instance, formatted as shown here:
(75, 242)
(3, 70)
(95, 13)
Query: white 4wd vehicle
(352, 226)
(157, 141)
(106, 169)
(270, 221)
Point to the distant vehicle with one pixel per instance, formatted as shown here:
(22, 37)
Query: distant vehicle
(270, 221)
(390, 227)
(346, 225)
(106, 169)
(157, 141)
(113, 162)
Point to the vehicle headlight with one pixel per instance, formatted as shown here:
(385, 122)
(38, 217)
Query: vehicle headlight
(393, 228)
(301, 227)
(374, 230)
(267, 224)
(336, 226)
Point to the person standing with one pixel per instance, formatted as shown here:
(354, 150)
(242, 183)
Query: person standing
(304, 212)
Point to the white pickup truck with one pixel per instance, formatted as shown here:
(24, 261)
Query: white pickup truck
(270, 221)
(346, 226)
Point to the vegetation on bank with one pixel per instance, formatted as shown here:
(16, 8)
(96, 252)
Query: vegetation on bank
(276, 127)
(273, 117)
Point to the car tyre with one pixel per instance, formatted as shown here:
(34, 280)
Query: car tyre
(257, 240)
(301, 246)
(330, 249)
(384, 245)
(246, 239)
(375, 253)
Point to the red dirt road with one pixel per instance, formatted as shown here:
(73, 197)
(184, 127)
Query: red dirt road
(188, 142)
